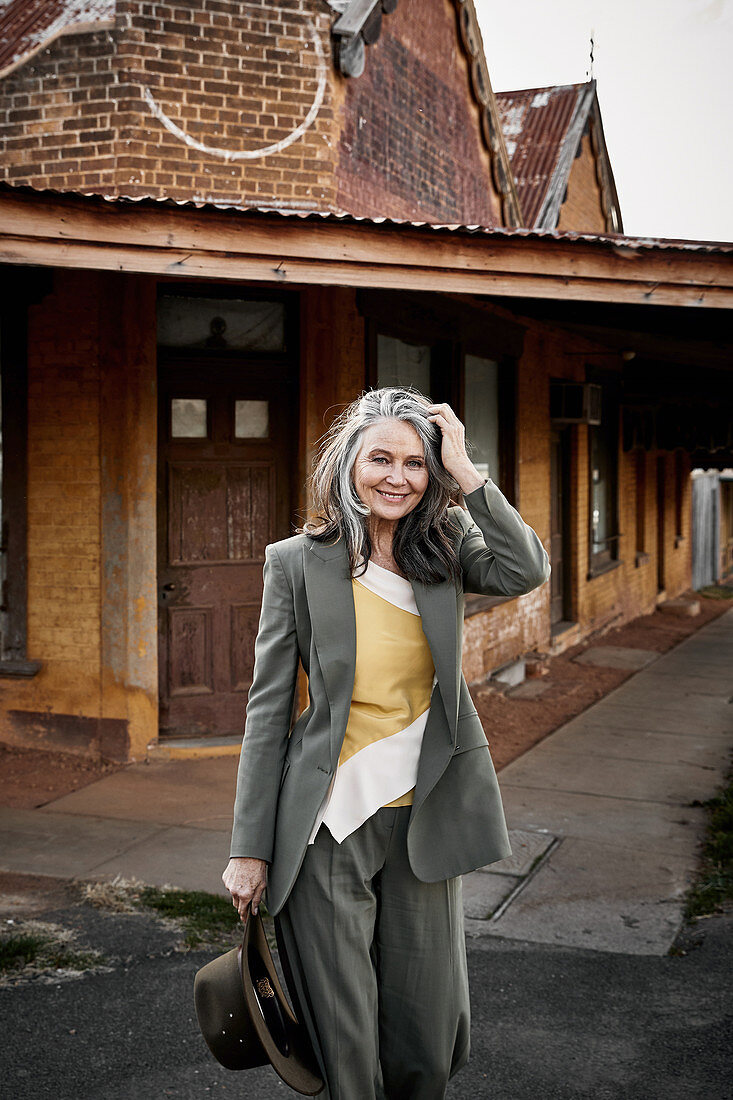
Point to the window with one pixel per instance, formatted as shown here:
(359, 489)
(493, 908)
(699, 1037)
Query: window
(481, 413)
(403, 364)
(479, 388)
(640, 479)
(681, 476)
(221, 324)
(603, 482)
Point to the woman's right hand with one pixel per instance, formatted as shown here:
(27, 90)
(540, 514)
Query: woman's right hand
(245, 878)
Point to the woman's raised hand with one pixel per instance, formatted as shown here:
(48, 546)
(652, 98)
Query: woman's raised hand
(245, 878)
(453, 451)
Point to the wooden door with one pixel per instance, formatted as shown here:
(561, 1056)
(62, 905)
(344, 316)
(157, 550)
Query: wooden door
(226, 462)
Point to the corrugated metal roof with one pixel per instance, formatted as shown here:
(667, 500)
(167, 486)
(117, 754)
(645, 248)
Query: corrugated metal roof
(26, 26)
(617, 240)
(535, 122)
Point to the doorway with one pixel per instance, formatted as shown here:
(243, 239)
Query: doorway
(227, 428)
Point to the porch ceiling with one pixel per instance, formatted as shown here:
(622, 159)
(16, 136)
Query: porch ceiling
(659, 334)
(77, 231)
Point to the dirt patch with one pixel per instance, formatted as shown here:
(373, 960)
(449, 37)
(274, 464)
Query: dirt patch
(30, 895)
(30, 778)
(514, 725)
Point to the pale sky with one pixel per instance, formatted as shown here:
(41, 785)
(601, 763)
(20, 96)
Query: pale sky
(663, 69)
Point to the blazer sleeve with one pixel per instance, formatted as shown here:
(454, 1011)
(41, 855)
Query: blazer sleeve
(269, 712)
(500, 554)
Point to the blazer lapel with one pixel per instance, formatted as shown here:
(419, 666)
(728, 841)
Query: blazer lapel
(438, 609)
(331, 607)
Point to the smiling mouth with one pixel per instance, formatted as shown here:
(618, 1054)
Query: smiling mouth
(392, 496)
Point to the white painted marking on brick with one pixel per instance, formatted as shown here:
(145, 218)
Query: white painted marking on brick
(251, 154)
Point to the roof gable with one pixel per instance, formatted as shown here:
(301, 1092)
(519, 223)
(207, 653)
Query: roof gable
(360, 25)
(543, 129)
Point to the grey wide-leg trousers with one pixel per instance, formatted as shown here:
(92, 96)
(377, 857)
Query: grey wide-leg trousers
(378, 960)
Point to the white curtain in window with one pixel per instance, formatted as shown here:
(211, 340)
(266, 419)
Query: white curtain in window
(481, 403)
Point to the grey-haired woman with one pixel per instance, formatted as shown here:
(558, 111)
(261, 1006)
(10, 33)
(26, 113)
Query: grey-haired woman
(360, 817)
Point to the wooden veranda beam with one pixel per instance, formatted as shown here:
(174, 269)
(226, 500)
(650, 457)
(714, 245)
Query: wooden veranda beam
(82, 232)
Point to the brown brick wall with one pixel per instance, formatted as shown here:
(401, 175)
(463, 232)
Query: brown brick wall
(231, 77)
(403, 140)
(410, 143)
(582, 210)
(58, 116)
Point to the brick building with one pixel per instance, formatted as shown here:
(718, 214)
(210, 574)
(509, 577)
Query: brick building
(220, 221)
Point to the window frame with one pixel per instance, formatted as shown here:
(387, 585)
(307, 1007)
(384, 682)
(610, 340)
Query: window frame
(600, 562)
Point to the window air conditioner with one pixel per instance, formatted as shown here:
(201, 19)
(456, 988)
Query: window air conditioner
(575, 402)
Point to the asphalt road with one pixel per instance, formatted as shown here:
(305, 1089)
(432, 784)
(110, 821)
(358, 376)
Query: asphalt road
(548, 1023)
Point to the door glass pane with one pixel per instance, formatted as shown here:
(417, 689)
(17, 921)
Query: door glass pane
(221, 323)
(188, 418)
(401, 364)
(481, 389)
(251, 419)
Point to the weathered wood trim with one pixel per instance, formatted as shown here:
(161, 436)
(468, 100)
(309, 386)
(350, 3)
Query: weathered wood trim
(73, 232)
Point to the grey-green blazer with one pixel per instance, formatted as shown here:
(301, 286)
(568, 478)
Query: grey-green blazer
(457, 820)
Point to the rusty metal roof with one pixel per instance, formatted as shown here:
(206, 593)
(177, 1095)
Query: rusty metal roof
(26, 26)
(537, 123)
(618, 240)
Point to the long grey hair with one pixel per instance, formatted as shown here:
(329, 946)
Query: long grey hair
(423, 547)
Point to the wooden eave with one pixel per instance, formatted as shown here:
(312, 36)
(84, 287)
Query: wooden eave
(76, 231)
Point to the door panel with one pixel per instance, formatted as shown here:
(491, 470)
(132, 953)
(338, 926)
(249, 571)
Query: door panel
(225, 487)
(219, 513)
(191, 668)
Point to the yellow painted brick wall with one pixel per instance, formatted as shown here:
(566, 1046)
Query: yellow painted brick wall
(582, 210)
(63, 607)
(88, 341)
(64, 484)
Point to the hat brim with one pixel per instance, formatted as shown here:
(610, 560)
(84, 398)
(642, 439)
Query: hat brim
(284, 1039)
(245, 1017)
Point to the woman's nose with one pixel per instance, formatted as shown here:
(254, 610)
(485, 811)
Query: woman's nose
(396, 475)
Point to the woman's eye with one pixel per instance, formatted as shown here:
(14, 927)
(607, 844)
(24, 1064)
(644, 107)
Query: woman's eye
(416, 463)
(379, 458)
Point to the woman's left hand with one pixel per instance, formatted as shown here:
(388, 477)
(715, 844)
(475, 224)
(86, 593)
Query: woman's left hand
(453, 451)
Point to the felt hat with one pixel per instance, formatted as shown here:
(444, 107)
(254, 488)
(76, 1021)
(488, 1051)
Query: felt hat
(245, 1018)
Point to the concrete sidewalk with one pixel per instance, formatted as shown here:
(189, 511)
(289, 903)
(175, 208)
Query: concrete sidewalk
(605, 839)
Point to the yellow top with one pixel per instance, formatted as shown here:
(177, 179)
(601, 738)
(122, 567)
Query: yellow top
(393, 682)
(394, 674)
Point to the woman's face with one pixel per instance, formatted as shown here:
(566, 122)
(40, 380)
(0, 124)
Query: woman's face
(390, 475)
